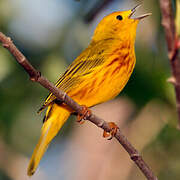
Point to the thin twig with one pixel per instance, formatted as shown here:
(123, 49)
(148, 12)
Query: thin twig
(172, 40)
(37, 77)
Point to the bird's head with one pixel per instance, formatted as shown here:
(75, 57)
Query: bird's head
(118, 25)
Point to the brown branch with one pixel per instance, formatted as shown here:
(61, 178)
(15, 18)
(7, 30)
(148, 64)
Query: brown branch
(37, 77)
(96, 9)
(168, 23)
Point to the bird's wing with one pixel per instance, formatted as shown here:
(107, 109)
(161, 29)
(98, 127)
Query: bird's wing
(84, 64)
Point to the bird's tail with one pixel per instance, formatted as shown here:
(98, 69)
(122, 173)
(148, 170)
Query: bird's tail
(55, 118)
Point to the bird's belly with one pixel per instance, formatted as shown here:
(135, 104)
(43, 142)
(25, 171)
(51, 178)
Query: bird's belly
(102, 86)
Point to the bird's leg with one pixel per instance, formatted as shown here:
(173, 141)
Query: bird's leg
(85, 113)
(113, 131)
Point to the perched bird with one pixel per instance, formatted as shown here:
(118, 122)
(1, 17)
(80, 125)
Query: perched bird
(97, 75)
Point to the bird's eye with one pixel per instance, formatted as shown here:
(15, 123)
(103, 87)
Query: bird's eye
(119, 17)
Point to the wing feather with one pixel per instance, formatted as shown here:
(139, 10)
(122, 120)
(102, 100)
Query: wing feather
(84, 64)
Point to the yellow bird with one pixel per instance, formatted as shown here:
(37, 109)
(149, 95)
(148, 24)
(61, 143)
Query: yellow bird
(97, 75)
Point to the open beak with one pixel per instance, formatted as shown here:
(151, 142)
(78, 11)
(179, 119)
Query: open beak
(139, 17)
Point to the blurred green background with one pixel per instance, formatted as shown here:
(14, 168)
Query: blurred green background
(51, 34)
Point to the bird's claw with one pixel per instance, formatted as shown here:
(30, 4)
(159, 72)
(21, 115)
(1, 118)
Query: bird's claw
(113, 131)
(85, 113)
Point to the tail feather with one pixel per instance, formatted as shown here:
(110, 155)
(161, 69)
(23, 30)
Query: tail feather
(56, 117)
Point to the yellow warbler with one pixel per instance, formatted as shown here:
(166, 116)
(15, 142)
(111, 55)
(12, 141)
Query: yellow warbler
(97, 75)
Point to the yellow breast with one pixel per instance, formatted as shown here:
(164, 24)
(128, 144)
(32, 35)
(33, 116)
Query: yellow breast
(107, 81)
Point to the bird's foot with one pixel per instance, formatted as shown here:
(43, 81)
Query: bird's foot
(113, 131)
(85, 113)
